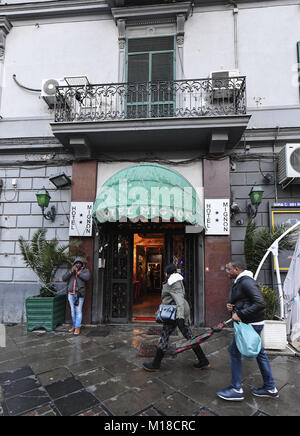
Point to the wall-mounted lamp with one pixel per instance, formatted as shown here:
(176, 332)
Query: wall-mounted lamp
(43, 199)
(60, 180)
(235, 209)
(256, 195)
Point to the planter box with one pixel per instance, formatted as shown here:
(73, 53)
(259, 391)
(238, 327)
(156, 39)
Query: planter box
(46, 312)
(274, 335)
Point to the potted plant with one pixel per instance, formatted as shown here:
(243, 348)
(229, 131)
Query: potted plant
(46, 310)
(257, 242)
(274, 332)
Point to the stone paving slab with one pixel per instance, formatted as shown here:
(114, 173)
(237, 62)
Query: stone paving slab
(99, 373)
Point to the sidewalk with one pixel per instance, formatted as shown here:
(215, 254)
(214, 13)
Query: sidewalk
(100, 373)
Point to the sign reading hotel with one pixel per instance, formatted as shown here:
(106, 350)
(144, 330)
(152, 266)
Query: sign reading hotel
(81, 219)
(217, 217)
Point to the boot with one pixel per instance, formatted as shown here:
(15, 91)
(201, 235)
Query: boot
(202, 363)
(155, 364)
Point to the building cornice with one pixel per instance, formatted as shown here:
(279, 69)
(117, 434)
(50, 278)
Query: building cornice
(159, 11)
(5, 28)
(5, 25)
(55, 8)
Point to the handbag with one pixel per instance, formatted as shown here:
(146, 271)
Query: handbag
(247, 340)
(166, 313)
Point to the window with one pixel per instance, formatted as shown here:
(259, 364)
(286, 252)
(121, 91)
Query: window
(150, 77)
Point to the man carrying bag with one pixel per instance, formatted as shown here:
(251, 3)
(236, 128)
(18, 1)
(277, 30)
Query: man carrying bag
(247, 305)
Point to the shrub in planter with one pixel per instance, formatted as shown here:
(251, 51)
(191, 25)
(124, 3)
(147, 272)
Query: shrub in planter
(271, 300)
(44, 257)
(258, 240)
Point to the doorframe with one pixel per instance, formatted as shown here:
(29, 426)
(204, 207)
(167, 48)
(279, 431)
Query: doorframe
(198, 267)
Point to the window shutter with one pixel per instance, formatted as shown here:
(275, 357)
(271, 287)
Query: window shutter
(298, 60)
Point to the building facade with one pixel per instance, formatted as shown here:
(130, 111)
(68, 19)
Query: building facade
(134, 98)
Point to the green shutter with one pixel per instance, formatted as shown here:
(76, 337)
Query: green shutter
(298, 60)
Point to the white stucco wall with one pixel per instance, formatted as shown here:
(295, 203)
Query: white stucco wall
(37, 52)
(268, 41)
(208, 43)
(267, 55)
(267, 38)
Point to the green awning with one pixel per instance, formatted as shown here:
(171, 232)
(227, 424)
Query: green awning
(148, 192)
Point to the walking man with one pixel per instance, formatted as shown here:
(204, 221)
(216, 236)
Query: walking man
(246, 304)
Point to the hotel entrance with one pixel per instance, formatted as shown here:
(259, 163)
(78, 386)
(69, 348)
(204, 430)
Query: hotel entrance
(136, 256)
(148, 216)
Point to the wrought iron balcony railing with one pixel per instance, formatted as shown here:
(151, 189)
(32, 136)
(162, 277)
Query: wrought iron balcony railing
(161, 99)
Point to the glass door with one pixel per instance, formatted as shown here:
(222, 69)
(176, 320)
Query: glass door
(118, 279)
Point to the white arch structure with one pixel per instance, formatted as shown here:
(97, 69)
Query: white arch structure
(274, 249)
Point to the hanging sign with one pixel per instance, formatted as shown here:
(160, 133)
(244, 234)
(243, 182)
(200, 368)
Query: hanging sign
(217, 216)
(81, 219)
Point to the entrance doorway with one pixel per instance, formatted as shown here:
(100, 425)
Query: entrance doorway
(129, 287)
(148, 261)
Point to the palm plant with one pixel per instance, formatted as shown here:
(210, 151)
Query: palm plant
(44, 258)
(257, 242)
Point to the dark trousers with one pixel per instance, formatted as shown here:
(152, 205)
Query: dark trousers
(168, 329)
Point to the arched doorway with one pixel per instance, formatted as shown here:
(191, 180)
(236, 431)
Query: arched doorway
(143, 214)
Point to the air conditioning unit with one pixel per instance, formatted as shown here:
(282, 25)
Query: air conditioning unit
(49, 90)
(289, 164)
(221, 86)
(224, 74)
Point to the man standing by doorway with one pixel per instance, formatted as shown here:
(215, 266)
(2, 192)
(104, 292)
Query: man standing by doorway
(246, 304)
(76, 278)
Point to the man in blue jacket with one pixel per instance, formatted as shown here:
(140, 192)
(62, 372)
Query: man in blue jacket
(246, 304)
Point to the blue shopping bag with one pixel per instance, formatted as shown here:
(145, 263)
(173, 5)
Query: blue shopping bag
(247, 340)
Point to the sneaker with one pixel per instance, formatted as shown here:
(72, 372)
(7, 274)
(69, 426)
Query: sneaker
(265, 393)
(231, 394)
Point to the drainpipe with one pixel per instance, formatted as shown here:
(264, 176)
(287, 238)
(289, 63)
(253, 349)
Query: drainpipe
(236, 36)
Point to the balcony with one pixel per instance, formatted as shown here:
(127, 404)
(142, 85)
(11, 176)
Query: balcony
(195, 114)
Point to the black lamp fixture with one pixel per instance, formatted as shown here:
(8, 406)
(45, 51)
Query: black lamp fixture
(60, 180)
(256, 195)
(43, 198)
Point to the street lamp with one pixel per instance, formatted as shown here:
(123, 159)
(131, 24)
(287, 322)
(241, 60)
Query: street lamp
(256, 195)
(43, 198)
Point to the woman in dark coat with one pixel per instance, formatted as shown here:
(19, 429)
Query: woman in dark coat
(173, 292)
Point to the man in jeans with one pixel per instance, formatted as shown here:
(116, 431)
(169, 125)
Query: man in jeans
(76, 278)
(247, 305)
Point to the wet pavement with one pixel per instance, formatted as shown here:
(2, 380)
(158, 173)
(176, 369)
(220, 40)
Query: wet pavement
(100, 373)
